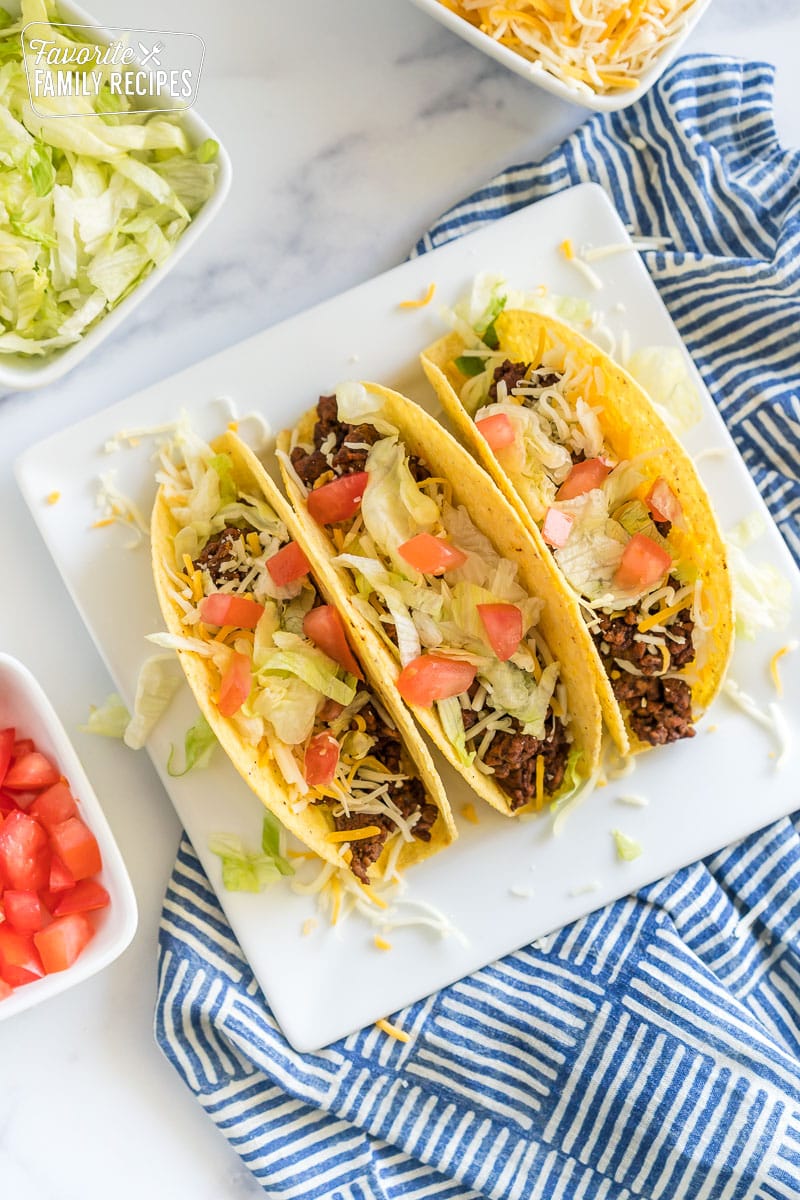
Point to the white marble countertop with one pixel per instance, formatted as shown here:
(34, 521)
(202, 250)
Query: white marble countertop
(346, 145)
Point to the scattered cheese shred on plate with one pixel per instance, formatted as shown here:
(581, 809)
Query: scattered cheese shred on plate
(53, 497)
(773, 665)
(381, 943)
(421, 303)
(392, 1030)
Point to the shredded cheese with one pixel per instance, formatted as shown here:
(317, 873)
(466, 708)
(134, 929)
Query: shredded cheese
(392, 1030)
(660, 617)
(53, 497)
(567, 249)
(773, 665)
(381, 943)
(353, 835)
(426, 299)
(309, 925)
(539, 781)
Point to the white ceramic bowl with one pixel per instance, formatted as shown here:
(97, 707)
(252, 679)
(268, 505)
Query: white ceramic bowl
(22, 373)
(534, 74)
(24, 705)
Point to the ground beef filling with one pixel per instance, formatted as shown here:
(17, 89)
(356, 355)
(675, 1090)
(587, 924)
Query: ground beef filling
(346, 448)
(409, 796)
(514, 374)
(218, 556)
(659, 710)
(512, 756)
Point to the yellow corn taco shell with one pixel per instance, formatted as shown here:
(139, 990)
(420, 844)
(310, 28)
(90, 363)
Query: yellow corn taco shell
(631, 426)
(559, 623)
(256, 764)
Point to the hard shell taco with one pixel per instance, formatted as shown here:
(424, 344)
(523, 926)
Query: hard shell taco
(606, 490)
(451, 601)
(329, 751)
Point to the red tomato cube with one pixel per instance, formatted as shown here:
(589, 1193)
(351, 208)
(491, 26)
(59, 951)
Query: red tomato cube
(5, 989)
(54, 805)
(323, 626)
(338, 500)
(433, 677)
(60, 877)
(234, 686)
(8, 803)
(288, 565)
(498, 430)
(503, 625)
(19, 959)
(30, 773)
(223, 608)
(77, 848)
(557, 527)
(431, 555)
(23, 910)
(321, 759)
(6, 750)
(24, 857)
(643, 563)
(87, 895)
(22, 747)
(582, 478)
(664, 505)
(60, 943)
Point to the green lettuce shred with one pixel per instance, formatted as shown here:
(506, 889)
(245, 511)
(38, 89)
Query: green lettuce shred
(198, 747)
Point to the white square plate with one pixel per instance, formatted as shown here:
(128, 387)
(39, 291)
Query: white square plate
(703, 793)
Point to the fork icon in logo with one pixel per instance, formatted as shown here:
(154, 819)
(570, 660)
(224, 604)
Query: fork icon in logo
(151, 56)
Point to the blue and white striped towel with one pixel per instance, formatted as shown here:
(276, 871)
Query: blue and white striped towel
(653, 1048)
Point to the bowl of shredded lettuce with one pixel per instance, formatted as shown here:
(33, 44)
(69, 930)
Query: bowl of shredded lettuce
(94, 208)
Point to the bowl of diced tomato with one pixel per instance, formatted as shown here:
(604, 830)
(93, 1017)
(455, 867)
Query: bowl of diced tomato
(67, 907)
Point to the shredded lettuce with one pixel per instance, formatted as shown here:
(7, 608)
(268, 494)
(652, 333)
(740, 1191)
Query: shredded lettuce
(245, 871)
(393, 507)
(662, 372)
(159, 679)
(516, 692)
(111, 719)
(88, 206)
(761, 595)
(271, 843)
(453, 725)
(198, 746)
(293, 656)
(627, 847)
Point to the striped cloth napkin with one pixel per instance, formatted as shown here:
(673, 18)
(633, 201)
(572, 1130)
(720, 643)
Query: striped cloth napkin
(651, 1049)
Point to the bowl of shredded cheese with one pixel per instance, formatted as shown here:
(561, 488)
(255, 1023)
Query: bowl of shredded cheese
(601, 54)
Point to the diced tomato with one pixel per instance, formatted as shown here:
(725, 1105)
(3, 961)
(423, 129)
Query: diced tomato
(5, 989)
(24, 857)
(643, 563)
(30, 773)
(431, 555)
(87, 895)
(22, 747)
(19, 959)
(557, 527)
(223, 608)
(60, 878)
(6, 750)
(60, 943)
(235, 685)
(77, 847)
(664, 505)
(433, 677)
(322, 758)
(323, 626)
(8, 803)
(338, 500)
(54, 805)
(497, 429)
(23, 910)
(582, 478)
(288, 565)
(503, 625)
